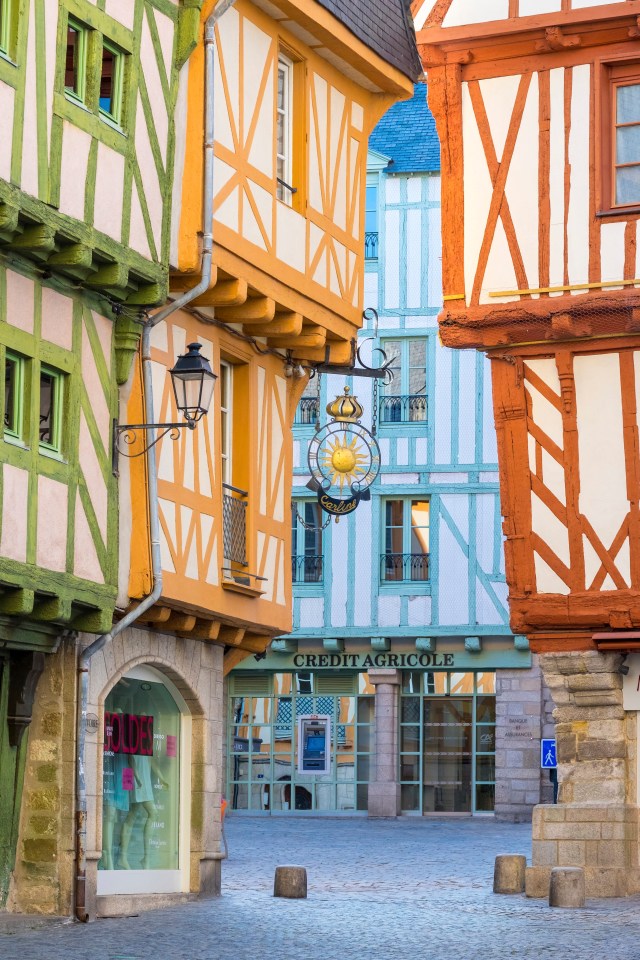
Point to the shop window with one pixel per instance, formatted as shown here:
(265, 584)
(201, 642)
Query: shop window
(14, 393)
(620, 112)
(406, 541)
(404, 400)
(8, 27)
(75, 72)
(51, 409)
(306, 542)
(111, 77)
(141, 783)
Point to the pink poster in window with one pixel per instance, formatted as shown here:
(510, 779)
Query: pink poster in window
(172, 745)
(127, 778)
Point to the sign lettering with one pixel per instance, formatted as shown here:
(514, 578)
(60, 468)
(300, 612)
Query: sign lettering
(337, 508)
(428, 661)
(130, 733)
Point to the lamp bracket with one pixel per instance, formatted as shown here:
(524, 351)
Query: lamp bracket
(127, 434)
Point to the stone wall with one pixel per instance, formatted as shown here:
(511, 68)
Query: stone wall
(42, 880)
(523, 716)
(595, 824)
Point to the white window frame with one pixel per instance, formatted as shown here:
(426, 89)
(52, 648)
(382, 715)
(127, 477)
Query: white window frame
(284, 116)
(226, 411)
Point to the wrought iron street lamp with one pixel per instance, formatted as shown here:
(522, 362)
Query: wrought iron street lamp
(193, 381)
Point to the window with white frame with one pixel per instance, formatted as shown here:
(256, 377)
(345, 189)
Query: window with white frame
(284, 130)
(405, 555)
(306, 541)
(404, 400)
(226, 393)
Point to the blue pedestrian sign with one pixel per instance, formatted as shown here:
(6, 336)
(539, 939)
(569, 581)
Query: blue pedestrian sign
(548, 756)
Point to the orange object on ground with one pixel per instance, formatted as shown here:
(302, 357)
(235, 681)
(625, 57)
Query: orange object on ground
(223, 807)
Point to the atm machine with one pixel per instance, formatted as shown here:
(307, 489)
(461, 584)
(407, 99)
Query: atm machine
(314, 744)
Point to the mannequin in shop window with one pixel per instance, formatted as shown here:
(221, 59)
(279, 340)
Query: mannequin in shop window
(141, 801)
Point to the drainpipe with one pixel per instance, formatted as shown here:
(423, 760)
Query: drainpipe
(152, 480)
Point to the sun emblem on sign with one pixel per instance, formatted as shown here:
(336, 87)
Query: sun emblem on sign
(344, 460)
(343, 456)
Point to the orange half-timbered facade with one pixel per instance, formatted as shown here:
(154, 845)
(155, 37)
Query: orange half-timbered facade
(538, 108)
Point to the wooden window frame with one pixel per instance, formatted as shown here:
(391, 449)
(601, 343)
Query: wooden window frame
(55, 446)
(8, 28)
(295, 175)
(117, 99)
(284, 191)
(407, 534)
(16, 434)
(610, 75)
(82, 30)
(226, 411)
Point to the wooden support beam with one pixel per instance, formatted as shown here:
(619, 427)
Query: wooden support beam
(17, 601)
(231, 636)
(9, 224)
(147, 295)
(55, 609)
(110, 276)
(232, 658)
(179, 282)
(156, 615)
(255, 310)
(255, 644)
(305, 339)
(92, 621)
(75, 259)
(182, 623)
(284, 324)
(207, 630)
(37, 240)
(339, 352)
(226, 293)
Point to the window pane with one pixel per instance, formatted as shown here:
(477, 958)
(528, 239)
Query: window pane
(10, 388)
(282, 83)
(371, 212)
(107, 82)
(417, 353)
(628, 185)
(485, 682)
(392, 348)
(628, 144)
(48, 390)
(628, 103)
(72, 64)
(393, 513)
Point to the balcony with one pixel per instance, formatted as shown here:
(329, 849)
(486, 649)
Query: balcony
(234, 524)
(371, 246)
(404, 567)
(307, 411)
(409, 409)
(307, 569)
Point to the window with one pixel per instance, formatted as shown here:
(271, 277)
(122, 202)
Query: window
(405, 398)
(284, 145)
(626, 140)
(406, 541)
(112, 69)
(94, 72)
(371, 223)
(75, 72)
(306, 542)
(14, 380)
(51, 403)
(226, 388)
(308, 409)
(8, 25)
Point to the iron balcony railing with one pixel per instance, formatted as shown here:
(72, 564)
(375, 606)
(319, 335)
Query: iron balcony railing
(234, 524)
(306, 569)
(409, 409)
(398, 567)
(307, 410)
(371, 246)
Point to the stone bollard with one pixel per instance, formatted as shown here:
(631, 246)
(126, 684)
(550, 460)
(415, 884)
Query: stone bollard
(567, 887)
(290, 882)
(508, 873)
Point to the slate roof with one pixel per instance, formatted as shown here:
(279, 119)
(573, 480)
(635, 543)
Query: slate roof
(407, 134)
(385, 26)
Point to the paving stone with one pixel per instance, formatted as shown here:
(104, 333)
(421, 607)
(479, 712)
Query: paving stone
(389, 889)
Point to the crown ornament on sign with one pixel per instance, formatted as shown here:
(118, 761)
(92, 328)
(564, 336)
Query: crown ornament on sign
(345, 408)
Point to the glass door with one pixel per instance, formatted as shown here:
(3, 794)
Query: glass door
(447, 755)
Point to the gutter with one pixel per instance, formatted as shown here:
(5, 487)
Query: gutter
(81, 910)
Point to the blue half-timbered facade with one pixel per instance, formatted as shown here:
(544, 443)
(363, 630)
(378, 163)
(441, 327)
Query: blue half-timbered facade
(405, 602)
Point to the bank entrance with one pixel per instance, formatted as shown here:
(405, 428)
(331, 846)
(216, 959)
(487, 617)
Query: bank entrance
(445, 749)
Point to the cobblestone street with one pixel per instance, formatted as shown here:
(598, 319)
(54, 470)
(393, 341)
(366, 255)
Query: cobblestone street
(385, 889)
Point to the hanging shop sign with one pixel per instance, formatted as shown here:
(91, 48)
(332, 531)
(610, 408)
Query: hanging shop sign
(367, 661)
(343, 457)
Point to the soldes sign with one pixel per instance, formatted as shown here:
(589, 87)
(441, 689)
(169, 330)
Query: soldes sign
(128, 733)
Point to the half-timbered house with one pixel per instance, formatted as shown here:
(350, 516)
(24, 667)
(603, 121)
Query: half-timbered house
(537, 106)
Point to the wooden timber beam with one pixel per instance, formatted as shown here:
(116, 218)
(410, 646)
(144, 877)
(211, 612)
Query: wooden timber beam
(207, 630)
(226, 293)
(255, 644)
(339, 352)
(313, 337)
(232, 658)
(110, 276)
(75, 259)
(180, 623)
(256, 310)
(231, 636)
(37, 240)
(284, 325)
(179, 282)
(155, 615)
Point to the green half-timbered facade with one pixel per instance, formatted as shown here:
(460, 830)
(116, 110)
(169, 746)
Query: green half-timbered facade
(88, 95)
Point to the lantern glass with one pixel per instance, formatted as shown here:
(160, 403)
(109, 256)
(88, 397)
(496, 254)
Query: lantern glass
(193, 382)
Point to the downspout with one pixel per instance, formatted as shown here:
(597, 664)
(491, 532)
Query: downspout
(152, 480)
